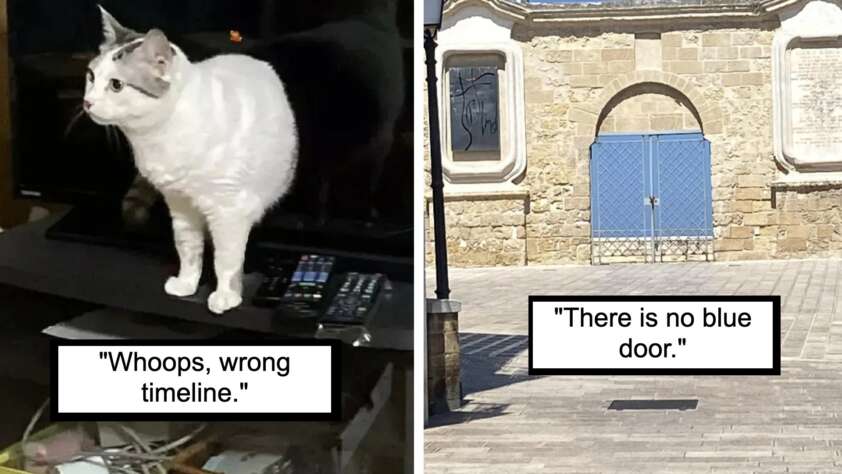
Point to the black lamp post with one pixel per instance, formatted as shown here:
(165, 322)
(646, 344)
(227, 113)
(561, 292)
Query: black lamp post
(432, 23)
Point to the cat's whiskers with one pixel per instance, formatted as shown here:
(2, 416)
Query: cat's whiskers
(109, 137)
(74, 120)
(118, 139)
(112, 135)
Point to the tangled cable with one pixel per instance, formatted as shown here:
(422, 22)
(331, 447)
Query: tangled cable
(137, 456)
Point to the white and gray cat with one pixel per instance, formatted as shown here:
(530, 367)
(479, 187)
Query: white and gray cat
(217, 138)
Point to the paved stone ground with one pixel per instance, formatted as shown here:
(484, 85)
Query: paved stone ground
(513, 423)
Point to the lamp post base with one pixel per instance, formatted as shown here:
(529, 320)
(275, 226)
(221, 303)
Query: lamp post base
(444, 383)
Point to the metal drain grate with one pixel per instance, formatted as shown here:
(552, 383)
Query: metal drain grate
(653, 405)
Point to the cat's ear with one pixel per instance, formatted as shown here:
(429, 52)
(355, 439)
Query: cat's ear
(113, 33)
(157, 52)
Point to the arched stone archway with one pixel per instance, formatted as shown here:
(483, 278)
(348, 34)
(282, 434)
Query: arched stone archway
(664, 164)
(589, 116)
(648, 107)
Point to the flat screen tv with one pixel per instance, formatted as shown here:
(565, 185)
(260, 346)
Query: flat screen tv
(347, 68)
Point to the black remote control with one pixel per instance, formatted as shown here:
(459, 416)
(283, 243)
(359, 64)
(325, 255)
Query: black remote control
(305, 293)
(271, 291)
(355, 298)
(276, 275)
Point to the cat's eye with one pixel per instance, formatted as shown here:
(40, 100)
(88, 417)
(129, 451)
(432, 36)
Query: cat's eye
(89, 75)
(116, 85)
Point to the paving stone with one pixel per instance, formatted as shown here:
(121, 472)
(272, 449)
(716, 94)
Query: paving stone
(514, 423)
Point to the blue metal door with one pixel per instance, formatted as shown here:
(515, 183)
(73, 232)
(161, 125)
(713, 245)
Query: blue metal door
(651, 196)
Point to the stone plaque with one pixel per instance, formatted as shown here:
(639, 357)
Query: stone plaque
(815, 102)
(807, 93)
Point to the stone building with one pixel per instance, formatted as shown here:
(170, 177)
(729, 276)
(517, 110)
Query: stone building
(641, 130)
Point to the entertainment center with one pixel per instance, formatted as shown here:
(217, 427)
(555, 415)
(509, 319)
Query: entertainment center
(332, 261)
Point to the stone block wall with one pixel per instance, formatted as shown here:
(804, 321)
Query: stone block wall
(482, 231)
(718, 78)
(649, 107)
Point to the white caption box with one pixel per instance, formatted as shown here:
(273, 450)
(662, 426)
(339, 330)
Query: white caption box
(556, 347)
(286, 380)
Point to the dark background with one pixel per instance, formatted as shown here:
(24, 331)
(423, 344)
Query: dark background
(337, 188)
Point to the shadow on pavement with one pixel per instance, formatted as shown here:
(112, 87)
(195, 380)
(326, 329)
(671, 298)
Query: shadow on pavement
(469, 411)
(489, 361)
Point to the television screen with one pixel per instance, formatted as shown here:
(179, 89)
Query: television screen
(347, 70)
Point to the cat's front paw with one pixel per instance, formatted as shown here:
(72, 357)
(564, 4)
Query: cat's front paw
(221, 301)
(181, 287)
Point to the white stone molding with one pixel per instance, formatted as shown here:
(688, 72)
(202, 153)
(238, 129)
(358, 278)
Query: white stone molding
(814, 24)
(478, 32)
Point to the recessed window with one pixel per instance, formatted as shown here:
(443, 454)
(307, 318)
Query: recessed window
(482, 127)
(475, 93)
(474, 109)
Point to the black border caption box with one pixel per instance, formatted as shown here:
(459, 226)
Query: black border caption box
(335, 397)
(776, 335)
